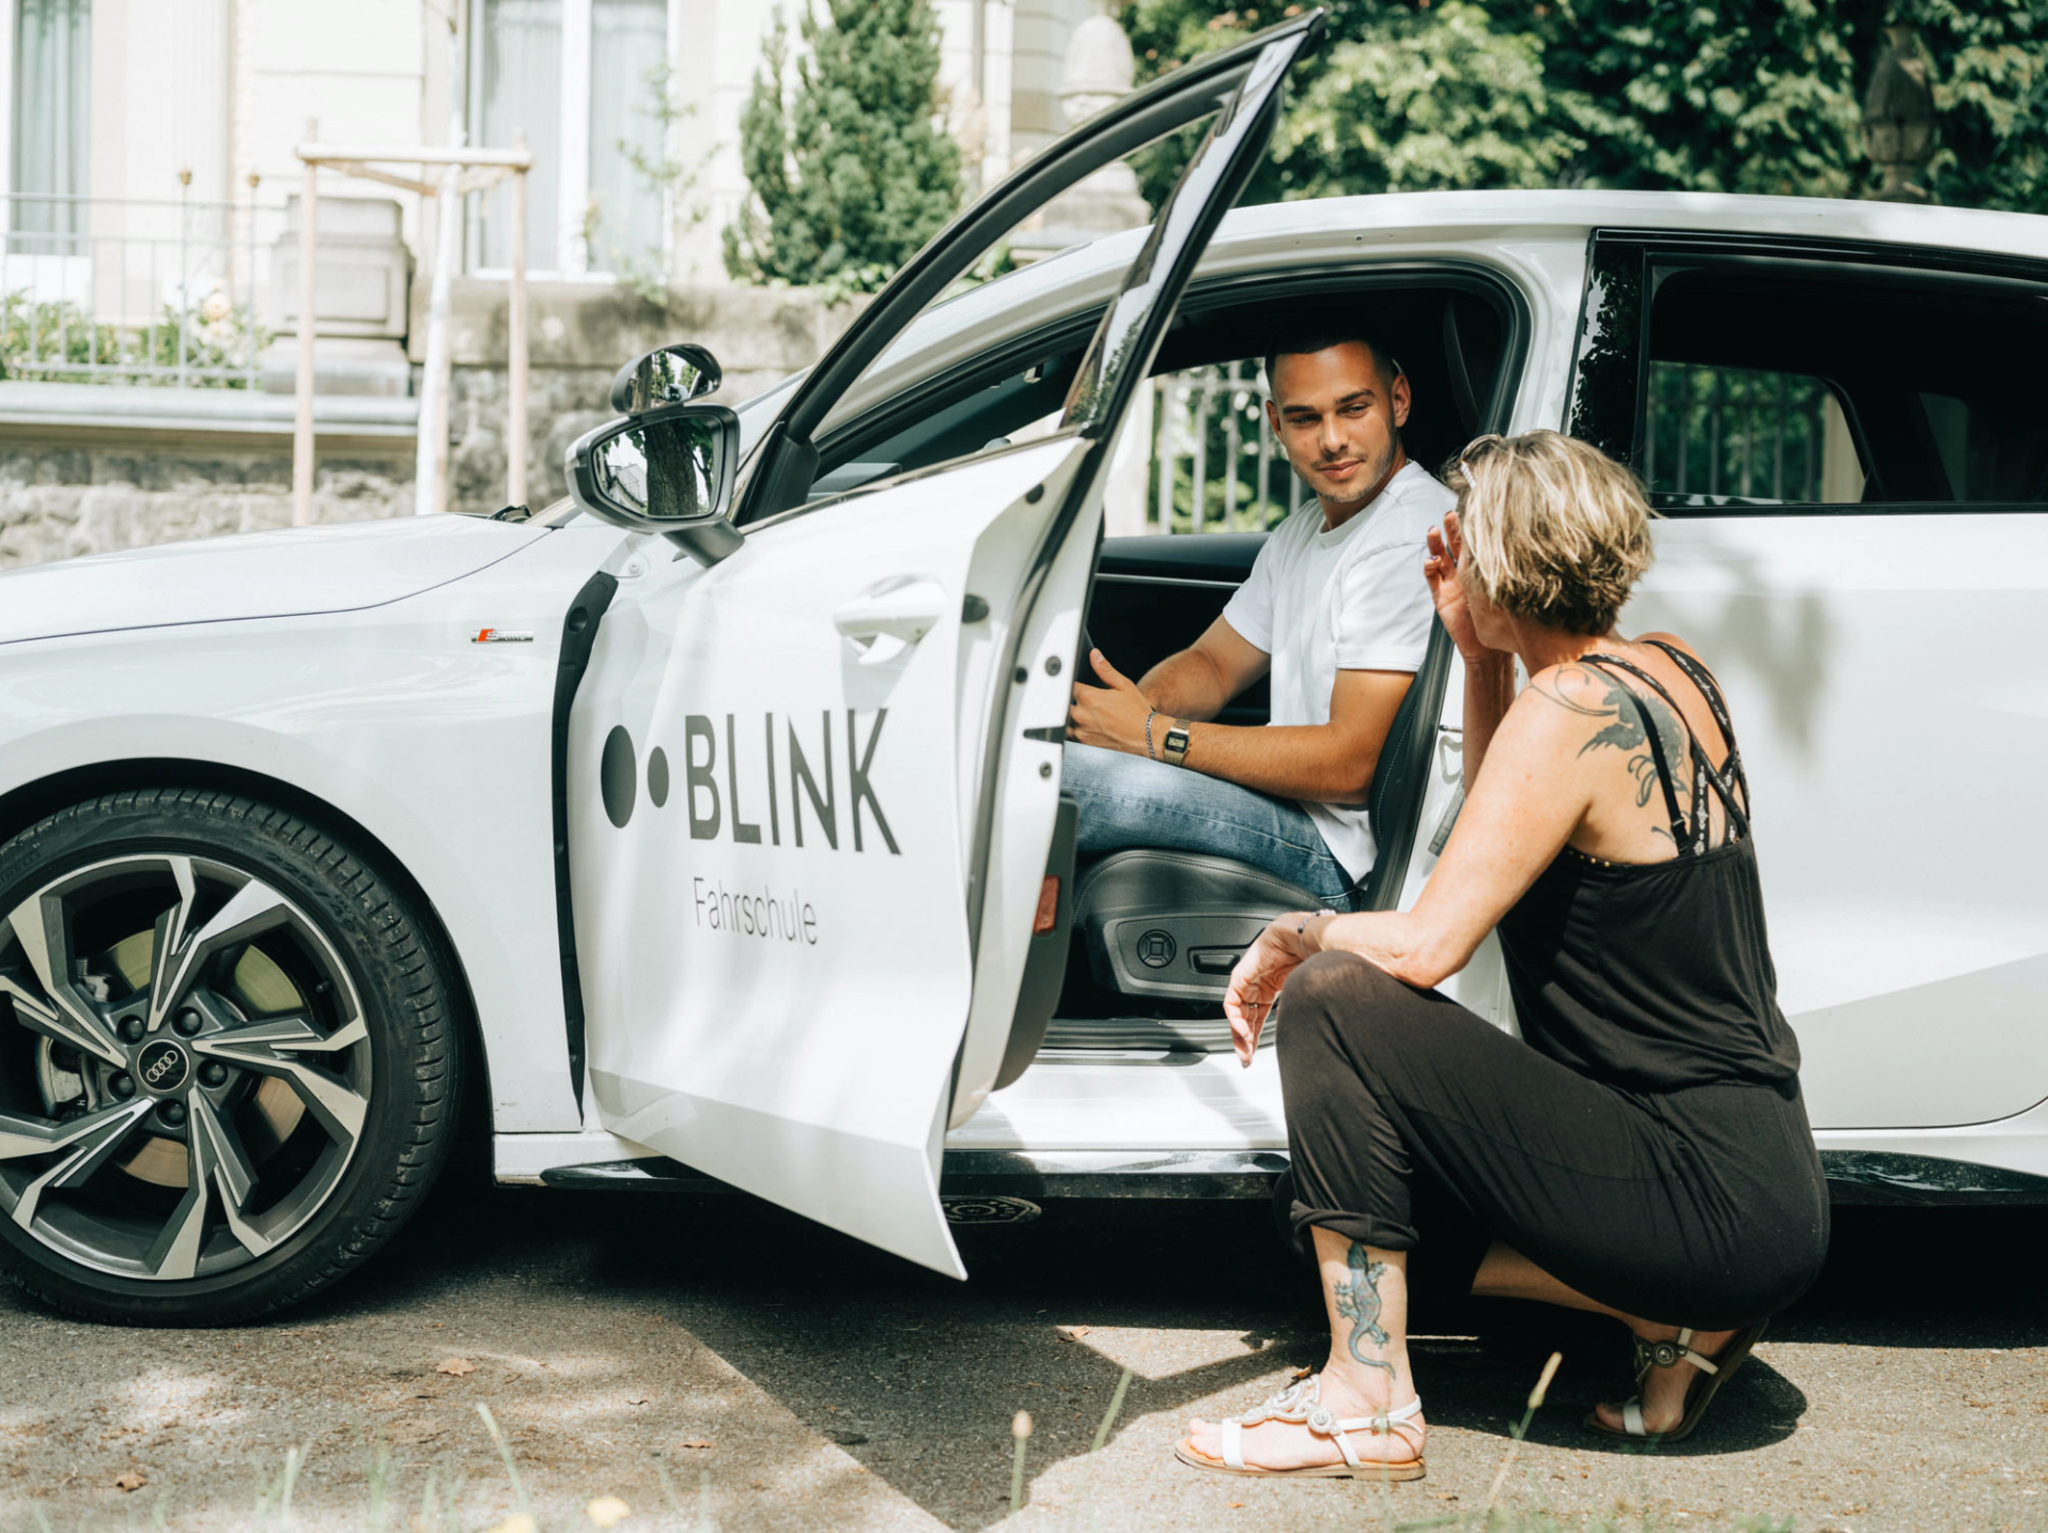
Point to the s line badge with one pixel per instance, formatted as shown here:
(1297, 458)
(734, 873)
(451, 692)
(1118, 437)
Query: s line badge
(500, 636)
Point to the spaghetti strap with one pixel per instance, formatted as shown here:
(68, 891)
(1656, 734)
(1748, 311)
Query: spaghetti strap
(1701, 677)
(1688, 841)
(1704, 772)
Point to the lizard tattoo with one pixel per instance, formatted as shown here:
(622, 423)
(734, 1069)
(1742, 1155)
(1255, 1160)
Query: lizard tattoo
(1358, 1300)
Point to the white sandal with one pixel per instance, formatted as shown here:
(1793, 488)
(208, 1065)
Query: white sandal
(1300, 1404)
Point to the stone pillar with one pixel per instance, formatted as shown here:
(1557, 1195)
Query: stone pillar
(1097, 70)
(361, 306)
(1898, 117)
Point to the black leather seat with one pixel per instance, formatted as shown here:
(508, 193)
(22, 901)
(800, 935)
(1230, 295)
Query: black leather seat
(1171, 925)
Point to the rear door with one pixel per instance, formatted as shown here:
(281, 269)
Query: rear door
(814, 786)
(1849, 446)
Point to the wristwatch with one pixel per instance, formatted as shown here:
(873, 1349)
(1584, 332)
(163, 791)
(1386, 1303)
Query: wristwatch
(1175, 749)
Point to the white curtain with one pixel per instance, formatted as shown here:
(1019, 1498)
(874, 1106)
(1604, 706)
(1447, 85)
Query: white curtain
(521, 88)
(52, 101)
(628, 49)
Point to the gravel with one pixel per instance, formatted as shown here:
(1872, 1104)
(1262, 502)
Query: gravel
(712, 1362)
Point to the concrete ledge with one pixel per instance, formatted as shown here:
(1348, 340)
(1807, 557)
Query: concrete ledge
(241, 411)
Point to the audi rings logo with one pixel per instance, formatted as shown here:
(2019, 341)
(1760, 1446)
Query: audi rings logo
(162, 1066)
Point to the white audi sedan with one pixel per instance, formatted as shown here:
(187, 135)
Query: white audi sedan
(709, 828)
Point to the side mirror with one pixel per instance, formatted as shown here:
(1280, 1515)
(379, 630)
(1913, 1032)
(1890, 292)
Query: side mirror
(670, 471)
(668, 375)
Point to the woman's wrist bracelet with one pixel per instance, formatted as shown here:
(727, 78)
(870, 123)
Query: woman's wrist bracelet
(1301, 926)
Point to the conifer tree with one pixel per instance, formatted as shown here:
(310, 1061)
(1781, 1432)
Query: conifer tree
(850, 166)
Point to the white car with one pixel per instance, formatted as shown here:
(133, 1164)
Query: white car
(712, 828)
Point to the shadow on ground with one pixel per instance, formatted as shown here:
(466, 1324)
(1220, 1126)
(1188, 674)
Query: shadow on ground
(916, 1376)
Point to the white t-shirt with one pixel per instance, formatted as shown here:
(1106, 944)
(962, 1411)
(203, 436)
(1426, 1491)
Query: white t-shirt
(1352, 599)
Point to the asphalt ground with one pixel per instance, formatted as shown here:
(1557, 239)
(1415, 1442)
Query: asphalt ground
(712, 1362)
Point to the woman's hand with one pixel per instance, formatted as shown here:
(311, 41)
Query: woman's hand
(1440, 569)
(1256, 981)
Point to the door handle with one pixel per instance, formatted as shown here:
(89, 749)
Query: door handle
(904, 609)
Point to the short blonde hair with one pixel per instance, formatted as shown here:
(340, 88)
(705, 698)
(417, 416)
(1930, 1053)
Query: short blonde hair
(1555, 531)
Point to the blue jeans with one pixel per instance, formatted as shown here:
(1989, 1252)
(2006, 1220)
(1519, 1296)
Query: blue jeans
(1129, 801)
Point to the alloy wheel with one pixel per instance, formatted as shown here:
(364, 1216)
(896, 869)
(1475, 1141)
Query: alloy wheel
(187, 1069)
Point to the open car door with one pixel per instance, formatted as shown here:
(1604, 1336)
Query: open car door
(813, 786)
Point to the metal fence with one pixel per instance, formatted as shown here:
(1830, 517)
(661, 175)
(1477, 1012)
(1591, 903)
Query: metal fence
(1714, 431)
(102, 290)
(1215, 466)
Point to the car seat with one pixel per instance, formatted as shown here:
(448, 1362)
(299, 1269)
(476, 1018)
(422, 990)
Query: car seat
(1171, 925)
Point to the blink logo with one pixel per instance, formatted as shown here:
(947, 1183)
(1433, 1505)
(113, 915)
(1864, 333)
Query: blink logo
(766, 783)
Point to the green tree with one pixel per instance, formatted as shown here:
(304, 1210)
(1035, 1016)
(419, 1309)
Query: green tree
(850, 167)
(1440, 98)
(1989, 65)
(1738, 96)
(1403, 97)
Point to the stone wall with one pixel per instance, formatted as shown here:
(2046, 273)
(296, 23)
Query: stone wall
(64, 492)
(68, 488)
(579, 335)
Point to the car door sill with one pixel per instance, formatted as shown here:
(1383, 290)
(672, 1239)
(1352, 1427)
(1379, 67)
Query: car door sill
(1017, 1173)
(1854, 1176)
(1091, 1037)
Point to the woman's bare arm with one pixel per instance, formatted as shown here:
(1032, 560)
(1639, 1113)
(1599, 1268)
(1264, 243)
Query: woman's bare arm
(1489, 694)
(1519, 814)
(1489, 673)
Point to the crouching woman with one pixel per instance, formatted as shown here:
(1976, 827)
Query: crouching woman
(1643, 1150)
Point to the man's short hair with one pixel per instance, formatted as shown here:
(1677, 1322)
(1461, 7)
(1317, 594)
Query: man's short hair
(1307, 342)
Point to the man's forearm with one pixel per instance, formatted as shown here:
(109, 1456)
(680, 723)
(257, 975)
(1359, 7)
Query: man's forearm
(1316, 762)
(1185, 686)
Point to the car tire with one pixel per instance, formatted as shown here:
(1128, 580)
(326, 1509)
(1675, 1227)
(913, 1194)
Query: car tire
(230, 1060)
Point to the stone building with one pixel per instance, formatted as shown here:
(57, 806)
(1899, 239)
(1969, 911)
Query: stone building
(149, 269)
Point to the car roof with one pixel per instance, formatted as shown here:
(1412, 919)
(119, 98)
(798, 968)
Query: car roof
(1973, 229)
(1326, 229)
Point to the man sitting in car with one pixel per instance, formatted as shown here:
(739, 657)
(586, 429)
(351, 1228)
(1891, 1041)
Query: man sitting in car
(1337, 612)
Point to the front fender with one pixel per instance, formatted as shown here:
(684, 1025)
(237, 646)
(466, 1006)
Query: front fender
(436, 744)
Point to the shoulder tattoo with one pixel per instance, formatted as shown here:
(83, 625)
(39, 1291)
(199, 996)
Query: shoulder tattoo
(1591, 693)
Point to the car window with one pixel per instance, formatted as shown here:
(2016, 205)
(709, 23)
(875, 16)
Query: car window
(920, 429)
(1989, 445)
(1804, 383)
(978, 414)
(1719, 435)
(1215, 465)
(1458, 335)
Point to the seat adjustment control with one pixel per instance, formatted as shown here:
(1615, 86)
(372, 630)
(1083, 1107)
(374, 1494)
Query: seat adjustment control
(1214, 960)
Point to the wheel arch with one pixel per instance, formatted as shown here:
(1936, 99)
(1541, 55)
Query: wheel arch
(29, 802)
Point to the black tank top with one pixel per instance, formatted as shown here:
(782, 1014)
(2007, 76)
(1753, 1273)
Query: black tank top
(1656, 976)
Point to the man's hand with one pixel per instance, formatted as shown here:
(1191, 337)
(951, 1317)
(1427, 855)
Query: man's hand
(1112, 716)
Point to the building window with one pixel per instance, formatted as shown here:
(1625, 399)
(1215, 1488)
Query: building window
(582, 79)
(628, 73)
(52, 82)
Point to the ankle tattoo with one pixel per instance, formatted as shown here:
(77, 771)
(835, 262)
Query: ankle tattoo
(1358, 1300)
